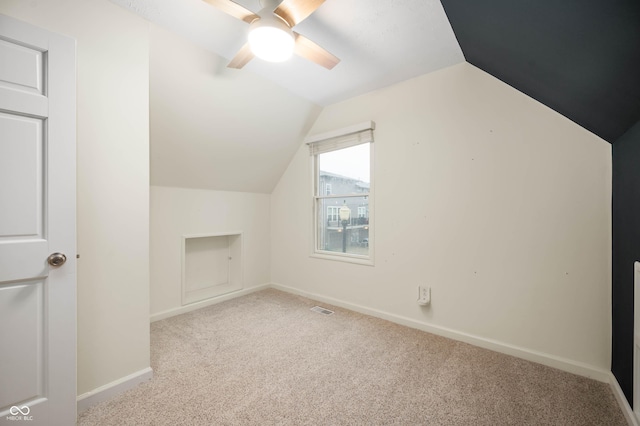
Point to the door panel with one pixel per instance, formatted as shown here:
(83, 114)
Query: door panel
(23, 68)
(21, 367)
(21, 173)
(23, 246)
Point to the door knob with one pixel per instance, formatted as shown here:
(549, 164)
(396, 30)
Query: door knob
(57, 259)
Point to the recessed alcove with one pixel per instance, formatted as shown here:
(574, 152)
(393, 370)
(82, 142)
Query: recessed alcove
(211, 266)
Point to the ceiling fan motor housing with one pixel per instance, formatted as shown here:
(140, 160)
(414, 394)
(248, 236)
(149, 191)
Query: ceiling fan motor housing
(270, 32)
(269, 4)
(270, 37)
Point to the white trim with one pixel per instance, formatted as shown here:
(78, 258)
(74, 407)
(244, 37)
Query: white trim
(202, 304)
(112, 389)
(343, 257)
(560, 363)
(366, 125)
(372, 203)
(622, 401)
(211, 234)
(332, 196)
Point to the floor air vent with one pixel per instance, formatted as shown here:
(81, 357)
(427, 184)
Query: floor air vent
(321, 310)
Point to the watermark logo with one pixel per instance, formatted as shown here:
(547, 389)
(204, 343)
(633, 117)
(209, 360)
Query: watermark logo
(24, 410)
(20, 413)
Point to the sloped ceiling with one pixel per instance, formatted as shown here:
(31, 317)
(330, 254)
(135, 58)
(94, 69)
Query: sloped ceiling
(236, 130)
(578, 57)
(214, 128)
(380, 42)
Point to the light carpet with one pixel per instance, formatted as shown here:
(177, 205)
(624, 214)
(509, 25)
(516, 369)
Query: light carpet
(266, 359)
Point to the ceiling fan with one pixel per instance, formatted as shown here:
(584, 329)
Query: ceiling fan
(270, 32)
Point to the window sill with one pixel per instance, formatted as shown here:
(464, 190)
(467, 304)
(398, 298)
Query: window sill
(358, 260)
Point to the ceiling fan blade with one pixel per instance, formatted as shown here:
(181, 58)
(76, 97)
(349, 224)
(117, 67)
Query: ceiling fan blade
(234, 9)
(311, 51)
(296, 11)
(243, 56)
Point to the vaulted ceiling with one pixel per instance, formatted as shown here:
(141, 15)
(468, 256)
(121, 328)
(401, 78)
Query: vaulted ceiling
(220, 128)
(379, 42)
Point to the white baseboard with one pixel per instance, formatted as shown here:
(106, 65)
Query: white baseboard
(622, 401)
(198, 305)
(112, 389)
(560, 363)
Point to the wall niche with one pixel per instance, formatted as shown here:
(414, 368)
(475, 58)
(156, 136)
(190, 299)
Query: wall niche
(211, 266)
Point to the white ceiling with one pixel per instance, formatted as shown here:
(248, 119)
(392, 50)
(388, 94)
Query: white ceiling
(215, 128)
(380, 42)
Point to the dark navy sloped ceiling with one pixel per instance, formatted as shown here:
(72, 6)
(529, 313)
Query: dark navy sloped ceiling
(579, 57)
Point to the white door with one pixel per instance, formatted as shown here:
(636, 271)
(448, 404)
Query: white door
(37, 219)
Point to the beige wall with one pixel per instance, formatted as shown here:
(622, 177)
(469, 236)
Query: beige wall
(113, 181)
(177, 211)
(498, 203)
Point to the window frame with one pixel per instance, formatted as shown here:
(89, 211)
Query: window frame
(318, 196)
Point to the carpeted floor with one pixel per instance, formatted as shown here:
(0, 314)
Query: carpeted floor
(266, 359)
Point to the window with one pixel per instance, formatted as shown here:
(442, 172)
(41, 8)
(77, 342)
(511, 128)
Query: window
(343, 228)
(332, 213)
(327, 189)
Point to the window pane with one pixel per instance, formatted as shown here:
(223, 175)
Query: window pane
(349, 236)
(345, 171)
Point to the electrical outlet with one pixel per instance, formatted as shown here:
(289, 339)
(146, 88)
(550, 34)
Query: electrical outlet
(424, 295)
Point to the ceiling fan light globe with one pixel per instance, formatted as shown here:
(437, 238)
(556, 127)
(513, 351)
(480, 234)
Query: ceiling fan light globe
(271, 44)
